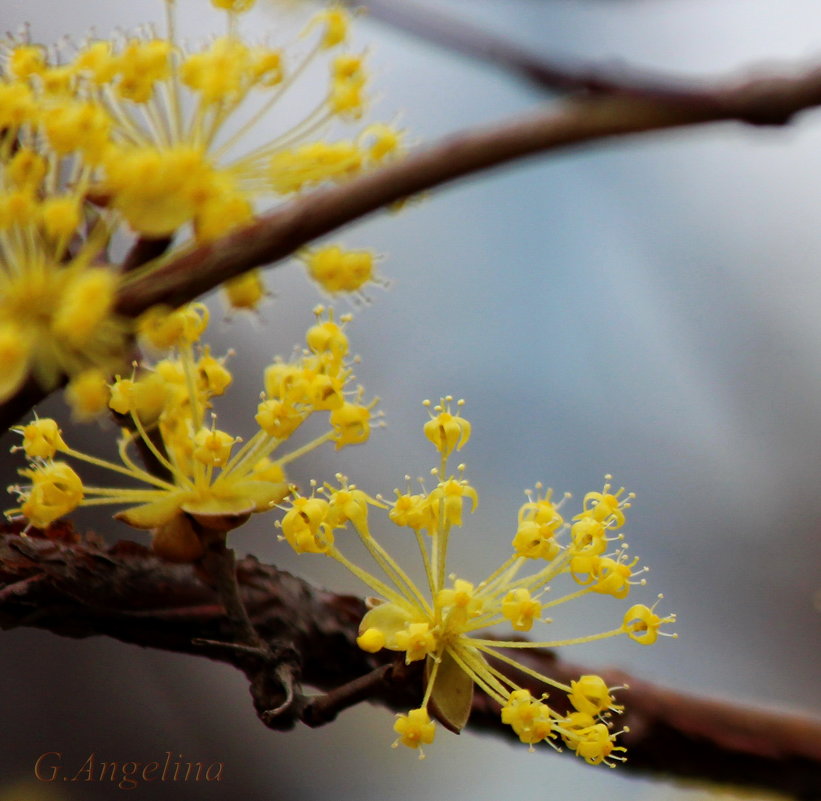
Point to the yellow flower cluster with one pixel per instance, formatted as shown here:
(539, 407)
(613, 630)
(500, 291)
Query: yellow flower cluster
(441, 625)
(198, 480)
(161, 124)
(56, 294)
(142, 132)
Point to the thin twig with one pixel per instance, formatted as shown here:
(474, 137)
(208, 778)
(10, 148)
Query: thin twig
(774, 101)
(770, 101)
(143, 250)
(219, 564)
(324, 708)
(456, 35)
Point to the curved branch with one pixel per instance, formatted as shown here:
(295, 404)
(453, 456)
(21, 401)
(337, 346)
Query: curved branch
(456, 35)
(76, 588)
(577, 121)
(622, 111)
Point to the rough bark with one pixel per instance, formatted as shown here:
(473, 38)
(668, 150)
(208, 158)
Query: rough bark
(75, 587)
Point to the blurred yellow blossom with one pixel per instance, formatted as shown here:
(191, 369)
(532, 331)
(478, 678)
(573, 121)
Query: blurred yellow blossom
(165, 125)
(56, 294)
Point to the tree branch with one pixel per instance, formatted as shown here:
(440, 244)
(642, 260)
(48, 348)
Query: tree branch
(573, 122)
(624, 111)
(75, 587)
(456, 35)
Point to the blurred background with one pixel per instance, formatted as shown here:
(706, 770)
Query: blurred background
(648, 308)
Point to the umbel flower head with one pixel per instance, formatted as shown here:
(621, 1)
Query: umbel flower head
(441, 624)
(201, 477)
(162, 127)
(56, 292)
(143, 133)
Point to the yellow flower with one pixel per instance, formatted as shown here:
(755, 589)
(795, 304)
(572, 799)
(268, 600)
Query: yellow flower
(41, 438)
(447, 431)
(56, 315)
(201, 473)
(164, 124)
(246, 291)
(440, 624)
(87, 394)
(158, 133)
(56, 293)
(642, 624)
(55, 491)
(415, 729)
(337, 270)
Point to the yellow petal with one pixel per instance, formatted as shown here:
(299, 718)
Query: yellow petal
(264, 494)
(152, 515)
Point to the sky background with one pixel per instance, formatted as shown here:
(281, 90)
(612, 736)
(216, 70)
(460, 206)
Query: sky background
(647, 308)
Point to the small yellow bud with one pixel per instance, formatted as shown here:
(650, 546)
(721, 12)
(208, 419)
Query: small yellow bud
(246, 291)
(327, 337)
(60, 216)
(87, 394)
(86, 302)
(337, 270)
(371, 640)
(165, 328)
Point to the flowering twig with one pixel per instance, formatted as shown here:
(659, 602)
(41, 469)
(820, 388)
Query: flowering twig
(73, 587)
(575, 121)
(770, 101)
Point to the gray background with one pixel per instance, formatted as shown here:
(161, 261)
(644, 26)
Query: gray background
(647, 308)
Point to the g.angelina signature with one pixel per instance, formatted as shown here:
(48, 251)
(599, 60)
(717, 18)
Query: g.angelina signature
(126, 775)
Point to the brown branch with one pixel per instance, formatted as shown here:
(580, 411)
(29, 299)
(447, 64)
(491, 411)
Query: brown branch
(144, 250)
(577, 121)
(76, 588)
(622, 110)
(456, 35)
